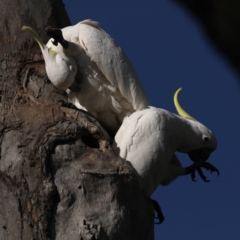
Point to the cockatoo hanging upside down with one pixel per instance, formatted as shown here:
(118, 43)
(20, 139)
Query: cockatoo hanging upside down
(149, 138)
(85, 57)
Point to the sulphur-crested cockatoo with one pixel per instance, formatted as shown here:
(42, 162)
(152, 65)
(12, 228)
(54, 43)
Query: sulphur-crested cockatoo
(149, 138)
(110, 88)
(61, 68)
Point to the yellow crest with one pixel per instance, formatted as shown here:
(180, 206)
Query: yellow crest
(180, 110)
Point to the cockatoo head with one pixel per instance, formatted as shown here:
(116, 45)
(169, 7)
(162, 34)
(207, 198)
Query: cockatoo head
(45, 50)
(61, 69)
(201, 141)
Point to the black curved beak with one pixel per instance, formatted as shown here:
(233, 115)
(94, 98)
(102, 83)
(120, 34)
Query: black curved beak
(199, 155)
(56, 34)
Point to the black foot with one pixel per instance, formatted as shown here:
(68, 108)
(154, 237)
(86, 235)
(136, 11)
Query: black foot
(205, 165)
(158, 210)
(56, 34)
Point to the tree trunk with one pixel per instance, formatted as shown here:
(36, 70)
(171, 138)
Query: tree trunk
(59, 177)
(221, 22)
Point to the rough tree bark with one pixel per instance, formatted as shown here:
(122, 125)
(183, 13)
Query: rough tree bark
(220, 20)
(59, 178)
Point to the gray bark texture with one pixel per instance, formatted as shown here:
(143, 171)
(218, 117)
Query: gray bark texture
(220, 20)
(59, 177)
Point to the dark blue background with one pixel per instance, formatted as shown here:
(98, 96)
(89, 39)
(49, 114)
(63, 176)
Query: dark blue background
(169, 50)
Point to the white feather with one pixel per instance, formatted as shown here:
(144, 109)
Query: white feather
(149, 138)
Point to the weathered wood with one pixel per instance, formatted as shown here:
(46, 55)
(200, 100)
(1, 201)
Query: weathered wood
(59, 177)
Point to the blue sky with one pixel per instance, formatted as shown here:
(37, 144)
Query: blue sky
(169, 50)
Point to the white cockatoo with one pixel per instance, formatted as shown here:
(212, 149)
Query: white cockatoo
(61, 68)
(149, 138)
(110, 88)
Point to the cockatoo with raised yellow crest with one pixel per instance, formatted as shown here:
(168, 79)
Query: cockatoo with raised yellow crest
(61, 68)
(85, 57)
(149, 138)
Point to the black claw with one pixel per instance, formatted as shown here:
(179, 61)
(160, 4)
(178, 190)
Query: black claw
(203, 177)
(158, 210)
(193, 176)
(212, 168)
(208, 167)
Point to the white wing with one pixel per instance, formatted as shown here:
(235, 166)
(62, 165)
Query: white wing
(113, 63)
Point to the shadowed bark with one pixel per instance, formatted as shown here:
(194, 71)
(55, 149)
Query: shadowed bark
(220, 20)
(59, 177)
